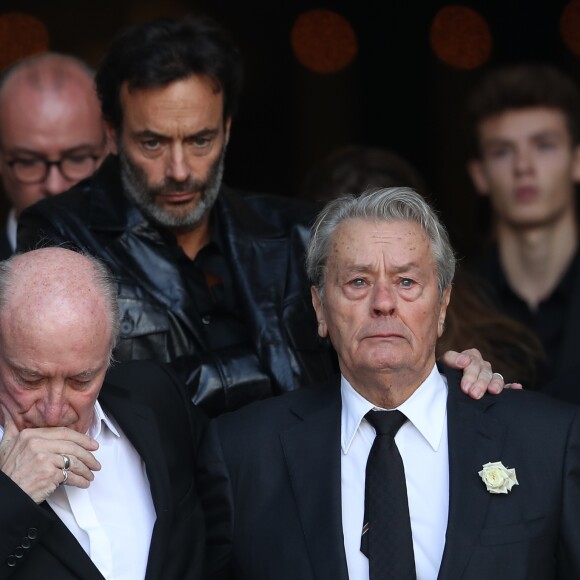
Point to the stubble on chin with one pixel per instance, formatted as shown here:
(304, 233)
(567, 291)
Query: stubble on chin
(179, 219)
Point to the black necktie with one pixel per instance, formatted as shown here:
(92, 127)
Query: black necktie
(386, 537)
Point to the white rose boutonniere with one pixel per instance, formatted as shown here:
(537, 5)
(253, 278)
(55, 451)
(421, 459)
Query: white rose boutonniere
(498, 478)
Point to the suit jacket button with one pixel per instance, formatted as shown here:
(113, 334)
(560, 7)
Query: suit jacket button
(11, 561)
(19, 552)
(32, 533)
(25, 543)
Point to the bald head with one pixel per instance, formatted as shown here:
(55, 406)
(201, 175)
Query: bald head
(58, 321)
(49, 70)
(55, 288)
(49, 110)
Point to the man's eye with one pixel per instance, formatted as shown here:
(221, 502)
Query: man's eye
(407, 283)
(201, 142)
(80, 385)
(28, 162)
(151, 144)
(78, 159)
(546, 145)
(31, 383)
(357, 282)
(499, 152)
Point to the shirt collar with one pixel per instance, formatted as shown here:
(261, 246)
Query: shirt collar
(426, 409)
(100, 417)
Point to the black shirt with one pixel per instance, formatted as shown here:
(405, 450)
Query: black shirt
(548, 321)
(216, 301)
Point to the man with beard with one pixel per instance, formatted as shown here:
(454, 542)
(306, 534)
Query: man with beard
(209, 279)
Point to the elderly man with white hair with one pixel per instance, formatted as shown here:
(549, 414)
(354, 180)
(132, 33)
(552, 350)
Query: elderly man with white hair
(96, 467)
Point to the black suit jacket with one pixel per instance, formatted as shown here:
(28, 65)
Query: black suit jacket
(154, 413)
(270, 483)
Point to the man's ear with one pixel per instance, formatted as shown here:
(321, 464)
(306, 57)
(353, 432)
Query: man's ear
(111, 138)
(576, 164)
(317, 303)
(443, 311)
(478, 176)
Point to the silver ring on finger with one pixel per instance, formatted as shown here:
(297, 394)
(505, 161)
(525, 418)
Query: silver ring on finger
(66, 460)
(500, 376)
(64, 476)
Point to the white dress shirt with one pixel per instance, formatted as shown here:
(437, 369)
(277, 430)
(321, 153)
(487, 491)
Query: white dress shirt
(113, 519)
(422, 443)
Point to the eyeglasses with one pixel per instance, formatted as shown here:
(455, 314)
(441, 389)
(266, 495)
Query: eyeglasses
(73, 168)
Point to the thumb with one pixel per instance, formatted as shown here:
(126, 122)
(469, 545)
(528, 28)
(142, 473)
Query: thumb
(10, 429)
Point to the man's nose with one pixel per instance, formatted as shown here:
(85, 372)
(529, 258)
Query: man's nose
(523, 161)
(177, 166)
(383, 300)
(55, 182)
(53, 407)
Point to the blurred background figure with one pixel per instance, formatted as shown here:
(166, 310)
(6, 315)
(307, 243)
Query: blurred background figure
(511, 348)
(524, 123)
(51, 132)
(355, 168)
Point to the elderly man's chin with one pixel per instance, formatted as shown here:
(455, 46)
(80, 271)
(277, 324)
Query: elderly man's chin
(389, 359)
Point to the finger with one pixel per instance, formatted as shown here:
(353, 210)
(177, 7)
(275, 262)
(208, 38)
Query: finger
(81, 461)
(476, 387)
(79, 458)
(66, 434)
(80, 478)
(514, 386)
(456, 360)
(10, 429)
(477, 375)
(39, 443)
(496, 384)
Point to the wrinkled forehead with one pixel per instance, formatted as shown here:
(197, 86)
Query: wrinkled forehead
(362, 239)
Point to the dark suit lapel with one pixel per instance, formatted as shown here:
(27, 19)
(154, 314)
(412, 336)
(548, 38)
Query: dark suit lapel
(64, 546)
(139, 425)
(312, 453)
(474, 439)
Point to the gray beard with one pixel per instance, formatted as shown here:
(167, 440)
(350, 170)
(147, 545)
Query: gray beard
(134, 180)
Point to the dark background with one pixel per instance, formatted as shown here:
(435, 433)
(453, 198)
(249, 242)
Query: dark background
(395, 94)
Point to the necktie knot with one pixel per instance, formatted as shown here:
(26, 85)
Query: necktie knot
(386, 422)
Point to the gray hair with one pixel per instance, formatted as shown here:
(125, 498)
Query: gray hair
(102, 277)
(387, 204)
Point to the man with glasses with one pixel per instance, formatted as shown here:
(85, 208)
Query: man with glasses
(51, 132)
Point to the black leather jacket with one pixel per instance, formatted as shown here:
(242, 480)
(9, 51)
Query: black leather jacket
(264, 239)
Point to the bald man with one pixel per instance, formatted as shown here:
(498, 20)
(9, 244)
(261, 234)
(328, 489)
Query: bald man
(51, 132)
(96, 474)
